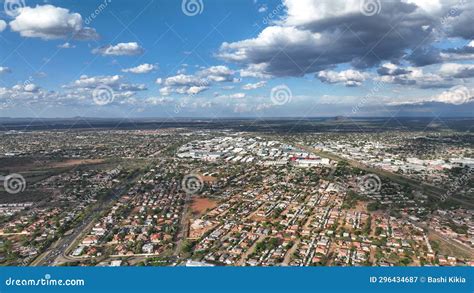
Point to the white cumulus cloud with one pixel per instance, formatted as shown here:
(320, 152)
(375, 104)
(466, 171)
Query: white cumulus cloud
(131, 48)
(457, 70)
(192, 84)
(140, 69)
(348, 77)
(415, 76)
(252, 86)
(50, 22)
(3, 25)
(234, 96)
(66, 45)
(4, 70)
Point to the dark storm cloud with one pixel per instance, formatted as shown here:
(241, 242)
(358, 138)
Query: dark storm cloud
(302, 43)
(461, 51)
(385, 70)
(425, 56)
(460, 23)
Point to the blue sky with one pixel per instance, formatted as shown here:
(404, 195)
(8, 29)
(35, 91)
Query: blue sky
(238, 58)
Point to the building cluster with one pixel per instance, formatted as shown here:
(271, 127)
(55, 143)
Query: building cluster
(143, 222)
(9, 209)
(456, 225)
(424, 157)
(25, 236)
(242, 148)
(77, 144)
(292, 218)
(123, 198)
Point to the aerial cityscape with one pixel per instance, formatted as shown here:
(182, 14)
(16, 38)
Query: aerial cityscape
(206, 197)
(202, 133)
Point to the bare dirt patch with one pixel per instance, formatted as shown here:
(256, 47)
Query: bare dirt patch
(71, 163)
(202, 204)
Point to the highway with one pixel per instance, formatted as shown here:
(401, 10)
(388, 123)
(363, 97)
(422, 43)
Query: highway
(464, 248)
(426, 188)
(59, 250)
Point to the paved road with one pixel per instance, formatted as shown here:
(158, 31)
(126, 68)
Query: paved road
(184, 225)
(464, 248)
(59, 250)
(427, 189)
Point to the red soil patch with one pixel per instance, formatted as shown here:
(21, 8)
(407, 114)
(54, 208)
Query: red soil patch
(70, 163)
(201, 204)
